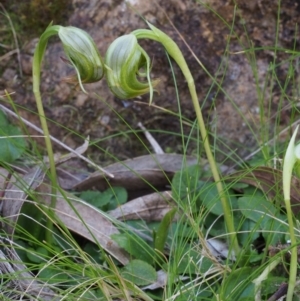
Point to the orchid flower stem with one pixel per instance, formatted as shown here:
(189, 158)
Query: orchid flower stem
(214, 169)
(36, 74)
(290, 159)
(174, 51)
(294, 253)
(213, 166)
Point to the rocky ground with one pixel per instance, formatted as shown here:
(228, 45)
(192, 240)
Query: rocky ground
(217, 35)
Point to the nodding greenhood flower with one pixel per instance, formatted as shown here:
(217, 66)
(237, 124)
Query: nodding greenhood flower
(292, 156)
(82, 53)
(123, 61)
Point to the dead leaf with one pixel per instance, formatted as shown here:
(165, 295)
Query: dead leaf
(152, 207)
(97, 224)
(162, 279)
(219, 249)
(16, 193)
(85, 220)
(21, 281)
(71, 173)
(269, 180)
(59, 159)
(139, 173)
(3, 179)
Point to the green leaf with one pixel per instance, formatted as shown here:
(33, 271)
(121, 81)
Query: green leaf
(209, 197)
(52, 275)
(37, 256)
(257, 209)
(31, 220)
(205, 294)
(11, 147)
(62, 243)
(239, 185)
(239, 284)
(107, 200)
(215, 225)
(93, 251)
(139, 272)
(116, 196)
(275, 230)
(20, 247)
(183, 230)
(192, 262)
(249, 256)
(271, 285)
(93, 295)
(252, 191)
(3, 120)
(248, 232)
(265, 216)
(94, 198)
(162, 232)
(135, 246)
(185, 184)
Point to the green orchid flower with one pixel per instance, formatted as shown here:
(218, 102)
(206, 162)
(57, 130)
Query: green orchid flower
(83, 54)
(124, 60)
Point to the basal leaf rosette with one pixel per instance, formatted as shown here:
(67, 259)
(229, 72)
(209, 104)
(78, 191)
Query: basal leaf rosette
(126, 64)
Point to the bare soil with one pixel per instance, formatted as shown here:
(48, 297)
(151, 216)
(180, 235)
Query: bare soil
(209, 34)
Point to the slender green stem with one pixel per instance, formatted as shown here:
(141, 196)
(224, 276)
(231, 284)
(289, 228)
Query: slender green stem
(289, 162)
(294, 253)
(174, 51)
(214, 169)
(36, 74)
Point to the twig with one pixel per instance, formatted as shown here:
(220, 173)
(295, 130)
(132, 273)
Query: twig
(156, 147)
(56, 141)
(282, 290)
(8, 54)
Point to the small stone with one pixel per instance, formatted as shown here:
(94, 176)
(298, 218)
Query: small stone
(9, 74)
(81, 99)
(26, 63)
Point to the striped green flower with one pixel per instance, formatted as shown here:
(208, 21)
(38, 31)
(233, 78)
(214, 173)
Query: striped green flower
(82, 53)
(126, 64)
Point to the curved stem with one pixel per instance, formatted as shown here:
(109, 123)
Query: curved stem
(174, 51)
(36, 74)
